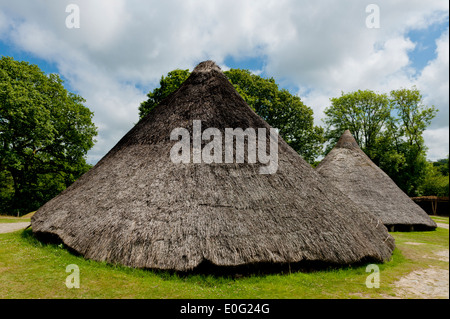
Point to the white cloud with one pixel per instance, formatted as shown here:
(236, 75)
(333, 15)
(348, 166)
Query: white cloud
(3, 23)
(434, 81)
(437, 142)
(320, 47)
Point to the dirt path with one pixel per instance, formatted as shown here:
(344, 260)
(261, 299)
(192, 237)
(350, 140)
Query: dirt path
(430, 283)
(442, 225)
(11, 227)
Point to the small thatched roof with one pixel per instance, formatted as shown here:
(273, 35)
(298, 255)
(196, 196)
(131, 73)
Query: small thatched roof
(348, 168)
(138, 208)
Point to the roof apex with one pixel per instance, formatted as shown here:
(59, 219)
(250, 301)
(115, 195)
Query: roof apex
(347, 141)
(207, 66)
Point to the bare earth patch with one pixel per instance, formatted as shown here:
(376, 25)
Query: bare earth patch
(443, 255)
(442, 225)
(11, 227)
(429, 283)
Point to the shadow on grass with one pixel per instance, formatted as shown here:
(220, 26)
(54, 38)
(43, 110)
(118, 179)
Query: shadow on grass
(206, 268)
(46, 241)
(206, 271)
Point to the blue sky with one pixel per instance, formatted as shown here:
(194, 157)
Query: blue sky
(425, 50)
(315, 49)
(6, 49)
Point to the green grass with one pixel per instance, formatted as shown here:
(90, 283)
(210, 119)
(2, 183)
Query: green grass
(14, 220)
(440, 219)
(30, 269)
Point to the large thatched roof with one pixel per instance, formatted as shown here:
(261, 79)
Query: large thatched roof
(138, 208)
(348, 168)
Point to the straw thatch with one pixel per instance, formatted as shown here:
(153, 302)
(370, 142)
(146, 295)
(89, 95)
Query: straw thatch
(137, 208)
(348, 168)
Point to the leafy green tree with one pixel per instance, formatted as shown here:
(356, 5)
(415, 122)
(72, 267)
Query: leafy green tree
(6, 189)
(411, 119)
(436, 181)
(168, 84)
(389, 130)
(281, 110)
(413, 116)
(442, 166)
(45, 133)
(364, 113)
(278, 107)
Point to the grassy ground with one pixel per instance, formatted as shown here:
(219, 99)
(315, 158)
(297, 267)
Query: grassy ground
(29, 269)
(13, 220)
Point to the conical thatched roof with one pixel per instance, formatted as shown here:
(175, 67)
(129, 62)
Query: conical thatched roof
(348, 168)
(138, 208)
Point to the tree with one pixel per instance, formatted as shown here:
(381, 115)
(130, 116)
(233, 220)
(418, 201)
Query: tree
(442, 166)
(436, 182)
(278, 107)
(389, 130)
(412, 118)
(168, 84)
(364, 113)
(45, 133)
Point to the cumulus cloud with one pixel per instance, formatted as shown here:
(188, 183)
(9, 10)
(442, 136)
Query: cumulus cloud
(434, 82)
(322, 48)
(437, 142)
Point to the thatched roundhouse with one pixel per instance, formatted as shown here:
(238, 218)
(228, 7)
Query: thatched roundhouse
(348, 168)
(138, 208)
